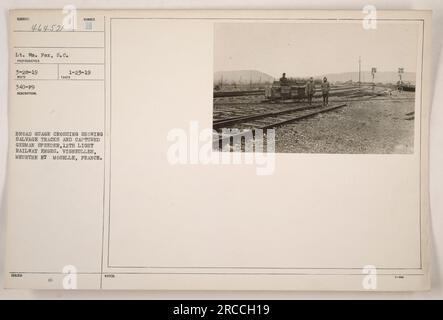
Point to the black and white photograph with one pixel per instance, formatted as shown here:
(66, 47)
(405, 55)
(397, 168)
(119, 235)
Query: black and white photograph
(237, 154)
(342, 86)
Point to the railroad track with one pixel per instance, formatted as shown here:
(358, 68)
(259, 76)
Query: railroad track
(354, 93)
(238, 93)
(226, 123)
(245, 126)
(253, 92)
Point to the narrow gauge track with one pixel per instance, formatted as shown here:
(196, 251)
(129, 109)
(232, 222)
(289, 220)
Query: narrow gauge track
(246, 125)
(252, 92)
(348, 95)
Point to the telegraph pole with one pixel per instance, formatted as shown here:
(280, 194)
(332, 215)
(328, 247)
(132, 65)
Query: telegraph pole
(359, 70)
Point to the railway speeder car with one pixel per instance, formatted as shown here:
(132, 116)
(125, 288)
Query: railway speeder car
(277, 91)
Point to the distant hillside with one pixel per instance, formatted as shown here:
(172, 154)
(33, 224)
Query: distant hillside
(241, 76)
(255, 76)
(382, 76)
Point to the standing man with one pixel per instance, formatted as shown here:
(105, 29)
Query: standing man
(325, 91)
(283, 80)
(310, 90)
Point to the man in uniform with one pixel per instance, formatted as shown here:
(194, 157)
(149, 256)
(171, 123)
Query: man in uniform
(310, 89)
(325, 91)
(283, 80)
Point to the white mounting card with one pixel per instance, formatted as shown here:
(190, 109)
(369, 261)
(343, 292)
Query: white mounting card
(218, 150)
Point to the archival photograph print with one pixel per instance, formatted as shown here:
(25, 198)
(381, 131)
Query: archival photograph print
(315, 87)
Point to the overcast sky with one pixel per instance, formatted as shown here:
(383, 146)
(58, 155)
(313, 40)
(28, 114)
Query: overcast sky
(304, 49)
